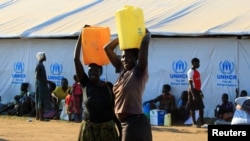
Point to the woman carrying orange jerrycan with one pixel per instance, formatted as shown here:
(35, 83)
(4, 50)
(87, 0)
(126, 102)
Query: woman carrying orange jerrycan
(99, 121)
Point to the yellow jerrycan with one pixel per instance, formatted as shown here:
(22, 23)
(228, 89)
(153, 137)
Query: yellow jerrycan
(130, 27)
(93, 40)
(167, 119)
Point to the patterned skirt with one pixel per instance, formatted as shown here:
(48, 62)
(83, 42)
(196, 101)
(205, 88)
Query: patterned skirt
(98, 132)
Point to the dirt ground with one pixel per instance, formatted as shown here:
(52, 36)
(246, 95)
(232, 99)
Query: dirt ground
(14, 128)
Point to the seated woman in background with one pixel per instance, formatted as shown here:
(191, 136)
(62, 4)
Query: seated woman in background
(225, 110)
(24, 103)
(166, 102)
(59, 94)
(242, 93)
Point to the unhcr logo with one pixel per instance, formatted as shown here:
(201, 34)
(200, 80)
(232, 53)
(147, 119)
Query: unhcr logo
(56, 69)
(226, 67)
(18, 74)
(179, 66)
(19, 67)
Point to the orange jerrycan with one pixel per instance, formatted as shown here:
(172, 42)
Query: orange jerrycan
(130, 27)
(93, 40)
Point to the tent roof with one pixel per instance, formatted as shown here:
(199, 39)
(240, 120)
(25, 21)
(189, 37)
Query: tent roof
(65, 18)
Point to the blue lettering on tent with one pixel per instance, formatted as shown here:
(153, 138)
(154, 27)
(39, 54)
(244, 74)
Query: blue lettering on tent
(184, 76)
(18, 75)
(53, 77)
(231, 77)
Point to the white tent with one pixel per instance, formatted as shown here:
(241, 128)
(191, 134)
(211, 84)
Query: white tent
(215, 31)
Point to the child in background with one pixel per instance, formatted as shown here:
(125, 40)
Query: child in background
(68, 104)
(181, 106)
(77, 96)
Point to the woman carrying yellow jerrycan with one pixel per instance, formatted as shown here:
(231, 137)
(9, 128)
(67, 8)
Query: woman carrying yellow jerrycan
(129, 87)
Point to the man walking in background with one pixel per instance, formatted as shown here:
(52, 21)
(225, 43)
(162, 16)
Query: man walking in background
(195, 95)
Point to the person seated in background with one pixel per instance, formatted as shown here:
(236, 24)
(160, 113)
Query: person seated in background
(166, 102)
(242, 93)
(183, 113)
(242, 113)
(24, 103)
(225, 110)
(59, 94)
(50, 114)
(52, 87)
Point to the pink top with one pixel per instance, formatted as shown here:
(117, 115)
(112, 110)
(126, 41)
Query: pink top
(76, 88)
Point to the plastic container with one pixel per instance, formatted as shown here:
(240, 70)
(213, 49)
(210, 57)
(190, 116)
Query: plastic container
(130, 27)
(93, 40)
(167, 119)
(157, 117)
